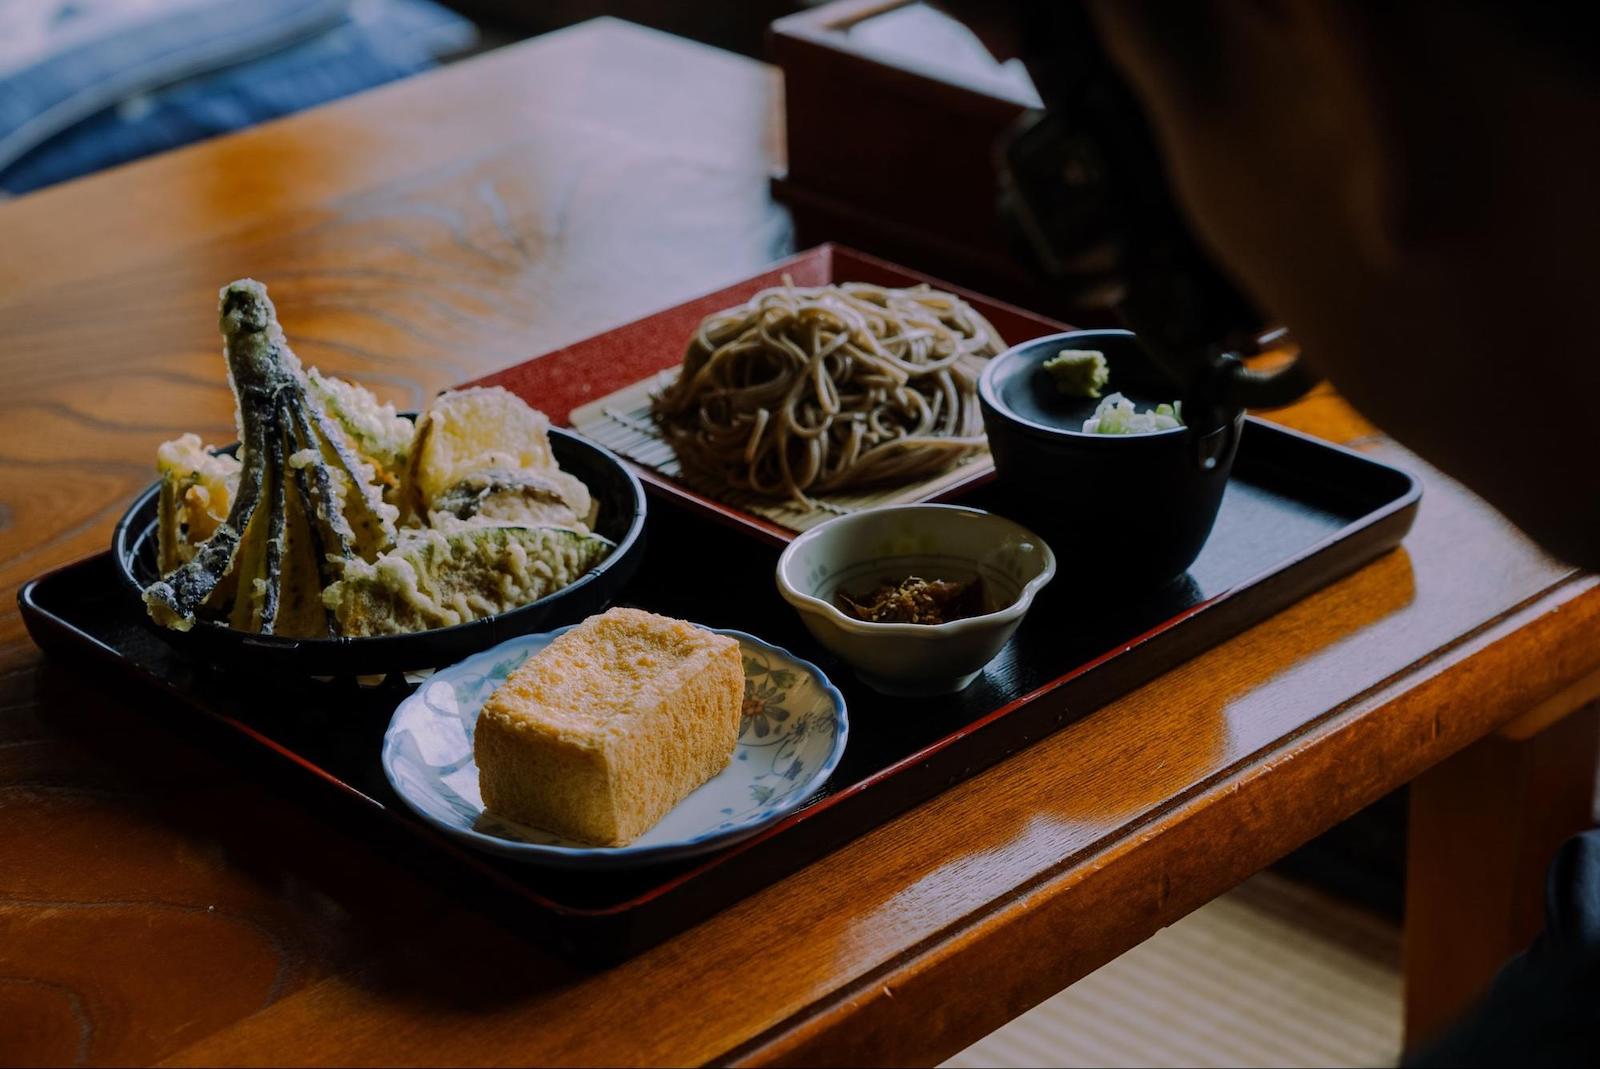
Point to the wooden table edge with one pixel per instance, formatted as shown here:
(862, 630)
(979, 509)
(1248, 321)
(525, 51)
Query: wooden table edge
(939, 996)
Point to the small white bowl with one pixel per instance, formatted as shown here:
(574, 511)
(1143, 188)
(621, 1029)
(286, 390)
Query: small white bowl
(858, 551)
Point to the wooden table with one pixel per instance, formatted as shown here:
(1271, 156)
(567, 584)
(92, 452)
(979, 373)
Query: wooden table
(159, 903)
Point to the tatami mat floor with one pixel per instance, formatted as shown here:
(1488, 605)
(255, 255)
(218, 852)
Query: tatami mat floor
(1271, 974)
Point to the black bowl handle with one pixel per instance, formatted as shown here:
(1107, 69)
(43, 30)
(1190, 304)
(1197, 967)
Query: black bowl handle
(1231, 387)
(1243, 387)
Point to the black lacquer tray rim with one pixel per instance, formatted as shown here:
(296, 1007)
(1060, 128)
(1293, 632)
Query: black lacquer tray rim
(37, 613)
(1409, 499)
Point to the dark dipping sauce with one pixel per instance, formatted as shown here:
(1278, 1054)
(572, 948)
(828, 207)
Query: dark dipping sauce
(915, 601)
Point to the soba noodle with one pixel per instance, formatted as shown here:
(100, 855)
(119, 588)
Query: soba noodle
(809, 390)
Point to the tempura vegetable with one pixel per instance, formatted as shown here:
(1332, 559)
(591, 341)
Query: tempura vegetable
(438, 579)
(291, 451)
(302, 535)
(525, 498)
(197, 486)
(376, 431)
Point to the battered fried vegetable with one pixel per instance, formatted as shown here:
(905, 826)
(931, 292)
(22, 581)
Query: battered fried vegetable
(439, 579)
(378, 432)
(196, 487)
(304, 494)
(298, 537)
(526, 498)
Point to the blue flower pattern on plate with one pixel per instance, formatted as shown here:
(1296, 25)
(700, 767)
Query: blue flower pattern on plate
(791, 738)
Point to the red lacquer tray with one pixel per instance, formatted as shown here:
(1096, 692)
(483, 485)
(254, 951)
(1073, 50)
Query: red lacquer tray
(568, 380)
(1298, 513)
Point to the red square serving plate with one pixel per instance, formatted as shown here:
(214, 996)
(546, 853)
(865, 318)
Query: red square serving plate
(564, 381)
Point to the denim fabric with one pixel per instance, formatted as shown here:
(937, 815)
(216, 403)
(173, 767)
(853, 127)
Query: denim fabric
(79, 58)
(368, 44)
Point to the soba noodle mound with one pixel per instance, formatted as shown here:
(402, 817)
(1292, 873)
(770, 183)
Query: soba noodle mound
(810, 390)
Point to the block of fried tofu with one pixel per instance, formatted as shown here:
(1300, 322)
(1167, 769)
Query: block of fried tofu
(598, 735)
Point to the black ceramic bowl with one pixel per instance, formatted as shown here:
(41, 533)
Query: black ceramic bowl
(1122, 510)
(621, 519)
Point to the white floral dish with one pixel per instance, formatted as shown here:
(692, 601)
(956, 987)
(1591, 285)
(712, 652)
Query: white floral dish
(792, 736)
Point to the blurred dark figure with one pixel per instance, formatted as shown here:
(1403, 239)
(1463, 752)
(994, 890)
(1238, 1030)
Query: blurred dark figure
(1414, 188)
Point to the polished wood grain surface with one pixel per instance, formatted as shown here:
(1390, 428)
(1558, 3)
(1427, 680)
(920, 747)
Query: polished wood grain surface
(161, 901)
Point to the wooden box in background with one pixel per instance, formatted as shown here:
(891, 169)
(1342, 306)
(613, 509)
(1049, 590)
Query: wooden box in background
(893, 113)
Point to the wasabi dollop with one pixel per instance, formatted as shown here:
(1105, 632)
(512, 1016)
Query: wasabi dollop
(1078, 372)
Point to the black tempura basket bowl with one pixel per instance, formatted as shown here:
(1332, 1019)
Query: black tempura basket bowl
(621, 518)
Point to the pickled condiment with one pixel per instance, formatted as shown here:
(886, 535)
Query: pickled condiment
(915, 600)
